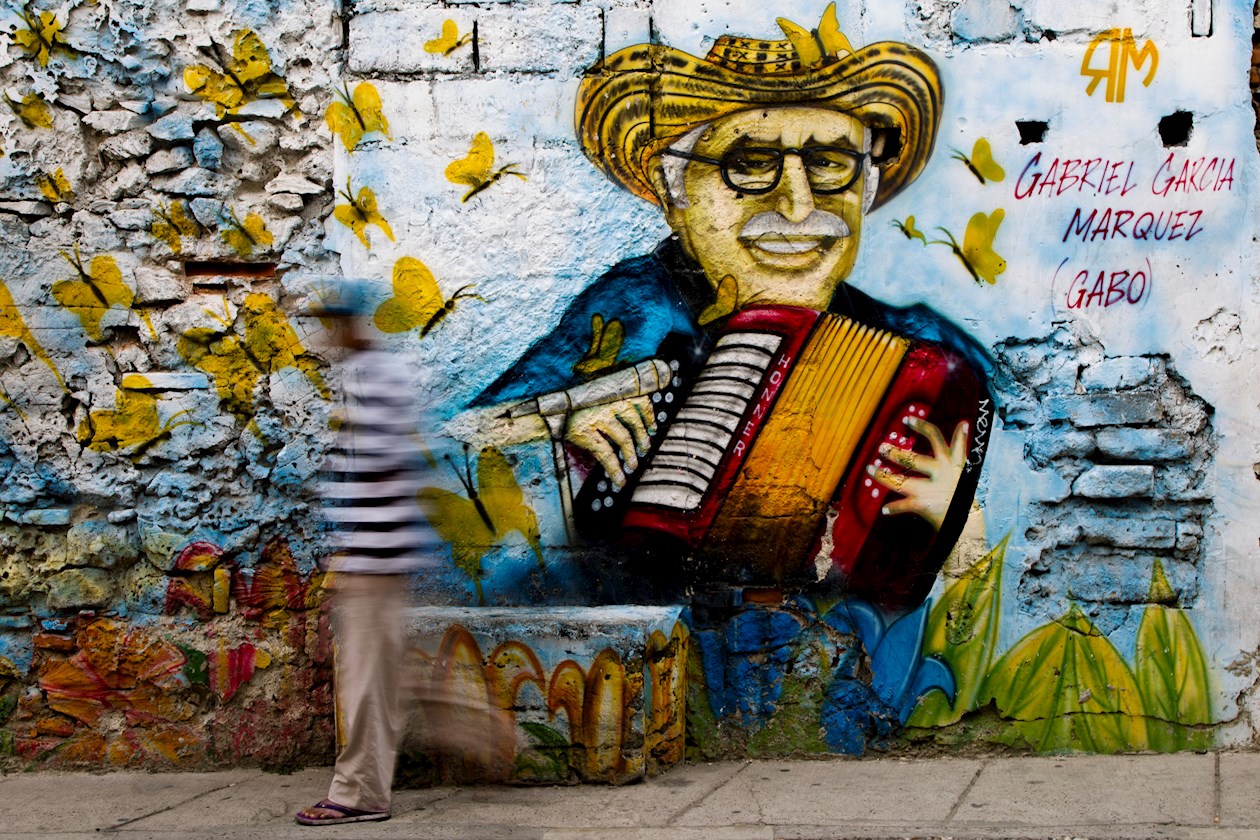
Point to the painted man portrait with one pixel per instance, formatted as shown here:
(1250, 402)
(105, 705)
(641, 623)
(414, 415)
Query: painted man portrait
(730, 396)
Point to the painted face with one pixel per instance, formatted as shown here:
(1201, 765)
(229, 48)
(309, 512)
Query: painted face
(788, 245)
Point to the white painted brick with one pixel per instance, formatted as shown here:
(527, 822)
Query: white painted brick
(625, 26)
(393, 41)
(1084, 20)
(528, 106)
(985, 20)
(564, 38)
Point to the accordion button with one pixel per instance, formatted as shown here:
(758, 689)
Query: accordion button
(656, 397)
(602, 486)
(673, 364)
(608, 501)
(669, 398)
(662, 417)
(596, 504)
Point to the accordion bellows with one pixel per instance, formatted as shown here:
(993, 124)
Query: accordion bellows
(765, 462)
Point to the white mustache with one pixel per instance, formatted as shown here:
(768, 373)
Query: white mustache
(818, 223)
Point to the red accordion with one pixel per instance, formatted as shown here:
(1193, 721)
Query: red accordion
(764, 464)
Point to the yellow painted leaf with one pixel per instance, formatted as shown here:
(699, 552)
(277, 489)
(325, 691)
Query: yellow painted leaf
(962, 630)
(1064, 686)
(981, 162)
(474, 170)
(417, 301)
(448, 41)
(606, 339)
(1172, 673)
(94, 292)
(55, 186)
(493, 509)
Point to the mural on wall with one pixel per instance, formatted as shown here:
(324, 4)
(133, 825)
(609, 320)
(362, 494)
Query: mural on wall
(924, 406)
(731, 421)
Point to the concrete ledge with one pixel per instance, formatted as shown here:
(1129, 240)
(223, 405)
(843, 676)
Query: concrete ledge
(537, 694)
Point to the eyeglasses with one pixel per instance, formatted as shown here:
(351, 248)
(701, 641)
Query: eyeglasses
(757, 170)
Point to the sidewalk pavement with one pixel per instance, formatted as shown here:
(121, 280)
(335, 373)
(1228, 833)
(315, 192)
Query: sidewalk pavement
(1212, 795)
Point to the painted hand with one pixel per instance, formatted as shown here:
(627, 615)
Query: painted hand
(616, 434)
(929, 493)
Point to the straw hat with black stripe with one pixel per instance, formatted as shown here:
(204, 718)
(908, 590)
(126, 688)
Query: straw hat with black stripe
(641, 99)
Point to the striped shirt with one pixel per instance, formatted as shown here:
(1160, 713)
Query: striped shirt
(369, 481)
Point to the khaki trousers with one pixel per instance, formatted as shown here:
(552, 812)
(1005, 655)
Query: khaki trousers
(368, 629)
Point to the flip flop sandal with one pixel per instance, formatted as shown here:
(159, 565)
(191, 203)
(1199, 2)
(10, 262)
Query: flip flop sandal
(341, 814)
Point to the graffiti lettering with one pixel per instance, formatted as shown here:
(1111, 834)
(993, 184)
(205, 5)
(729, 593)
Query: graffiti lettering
(762, 406)
(1196, 175)
(976, 456)
(1090, 290)
(1125, 224)
(1095, 175)
(1123, 52)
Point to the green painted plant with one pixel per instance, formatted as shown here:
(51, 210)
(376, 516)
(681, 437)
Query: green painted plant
(963, 630)
(1172, 673)
(1064, 686)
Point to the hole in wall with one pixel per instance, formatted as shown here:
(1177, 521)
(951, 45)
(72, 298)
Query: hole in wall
(223, 268)
(885, 144)
(1176, 128)
(1032, 131)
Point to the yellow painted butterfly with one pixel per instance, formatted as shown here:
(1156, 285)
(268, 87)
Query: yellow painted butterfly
(449, 41)
(246, 75)
(237, 363)
(417, 300)
(907, 228)
(172, 223)
(356, 114)
(495, 507)
(606, 339)
(976, 252)
(821, 45)
(981, 162)
(55, 187)
(245, 236)
(96, 289)
(41, 34)
(133, 423)
(12, 325)
(474, 171)
(32, 110)
(361, 212)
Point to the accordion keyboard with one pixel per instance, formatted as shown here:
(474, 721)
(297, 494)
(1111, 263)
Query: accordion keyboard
(689, 455)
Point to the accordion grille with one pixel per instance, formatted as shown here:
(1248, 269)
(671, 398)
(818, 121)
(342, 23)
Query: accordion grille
(805, 446)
